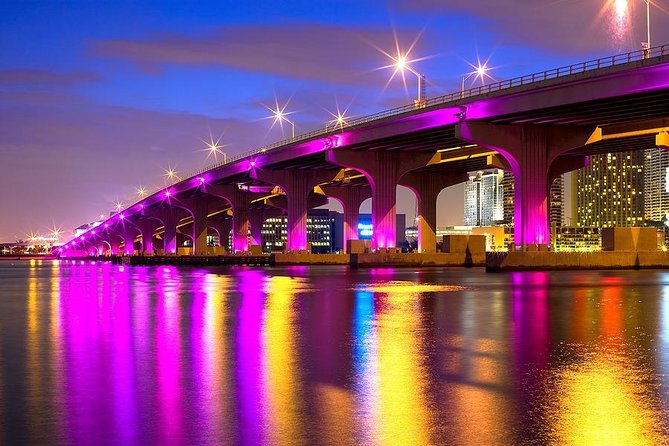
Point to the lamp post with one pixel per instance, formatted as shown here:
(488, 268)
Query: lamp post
(402, 64)
(279, 114)
(646, 45)
(480, 72)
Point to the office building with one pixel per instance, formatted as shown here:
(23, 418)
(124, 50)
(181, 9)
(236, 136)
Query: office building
(610, 192)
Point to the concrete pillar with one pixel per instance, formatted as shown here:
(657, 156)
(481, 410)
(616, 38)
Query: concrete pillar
(199, 208)
(535, 153)
(297, 184)
(426, 187)
(147, 227)
(114, 243)
(170, 217)
(350, 197)
(129, 234)
(222, 227)
(383, 170)
(239, 201)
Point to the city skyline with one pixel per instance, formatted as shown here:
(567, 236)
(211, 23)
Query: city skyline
(114, 101)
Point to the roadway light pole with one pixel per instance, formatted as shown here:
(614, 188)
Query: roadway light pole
(480, 72)
(647, 45)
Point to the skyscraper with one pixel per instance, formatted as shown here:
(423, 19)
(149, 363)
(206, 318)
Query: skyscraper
(656, 186)
(556, 202)
(610, 191)
(484, 198)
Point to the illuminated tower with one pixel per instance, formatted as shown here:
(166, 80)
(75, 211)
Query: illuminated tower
(484, 198)
(656, 186)
(556, 204)
(610, 191)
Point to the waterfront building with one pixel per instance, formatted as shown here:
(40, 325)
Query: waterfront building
(610, 192)
(656, 186)
(321, 230)
(570, 238)
(556, 202)
(484, 198)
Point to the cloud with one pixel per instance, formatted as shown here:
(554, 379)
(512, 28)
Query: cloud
(64, 160)
(45, 77)
(561, 26)
(322, 52)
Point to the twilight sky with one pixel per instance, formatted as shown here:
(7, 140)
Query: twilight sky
(98, 97)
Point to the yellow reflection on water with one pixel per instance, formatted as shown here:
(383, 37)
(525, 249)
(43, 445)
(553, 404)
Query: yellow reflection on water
(56, 353)
(33, 348)
(279, 361)
(406, 287)
(215, 356)
(404, 415)
(604, 402)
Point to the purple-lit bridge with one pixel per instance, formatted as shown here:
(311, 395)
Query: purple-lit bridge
(537, 126)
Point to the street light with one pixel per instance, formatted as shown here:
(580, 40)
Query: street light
(338, 121)
(480, 72)
(402, 64)
(646, 50)
(279, 114)
(213, 148)
(141, 192)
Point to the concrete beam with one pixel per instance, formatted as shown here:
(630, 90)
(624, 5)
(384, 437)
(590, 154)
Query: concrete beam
(383, 171)
(535, 154)
(426, 187)
(297, 184)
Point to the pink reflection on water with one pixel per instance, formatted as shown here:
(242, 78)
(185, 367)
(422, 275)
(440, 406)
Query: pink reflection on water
(249, 361)
(168, 357)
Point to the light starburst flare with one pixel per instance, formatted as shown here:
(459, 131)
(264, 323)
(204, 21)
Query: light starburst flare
(339, 119)
(280, 115)
(213, 148)
(141, 191)
(171, 174)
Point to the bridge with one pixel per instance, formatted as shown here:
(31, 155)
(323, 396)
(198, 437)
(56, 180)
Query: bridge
(537, 126)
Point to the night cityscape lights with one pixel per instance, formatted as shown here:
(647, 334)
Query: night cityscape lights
(279, 115)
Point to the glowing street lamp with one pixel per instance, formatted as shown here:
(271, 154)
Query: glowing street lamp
(171, 174)
(118, 206)
(338, 121)
(141, 192)
(213, 148)
(279, 115)
(646, 45)
(480, 72)
(400, 63)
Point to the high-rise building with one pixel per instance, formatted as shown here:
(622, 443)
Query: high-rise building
(556, 202)
(655, 186)
(609, 192)
(484, 198)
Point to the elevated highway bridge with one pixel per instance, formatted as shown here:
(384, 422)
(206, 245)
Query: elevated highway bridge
(537, 126)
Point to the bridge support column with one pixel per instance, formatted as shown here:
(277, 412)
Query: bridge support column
(297, 185)
(114, 244)
(383, 170)
(426, 187)
(199, 209)
(222, 227)
(239, 200)
(129, 234)
(535, 153)
(147, 228)
(350, 198)
(169, 216)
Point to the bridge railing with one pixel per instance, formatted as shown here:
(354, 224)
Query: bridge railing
(529, 79)
(583, 67)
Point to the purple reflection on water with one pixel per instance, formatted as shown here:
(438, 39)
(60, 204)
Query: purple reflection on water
(168, 357)
(249, 355)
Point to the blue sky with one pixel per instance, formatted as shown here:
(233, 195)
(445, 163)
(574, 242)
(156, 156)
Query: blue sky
(97, 98)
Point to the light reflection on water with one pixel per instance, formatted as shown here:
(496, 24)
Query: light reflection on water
(102, 354)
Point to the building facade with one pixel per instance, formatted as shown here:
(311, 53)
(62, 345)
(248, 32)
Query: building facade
(610, 191)
(656, 186)
(484, 198)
